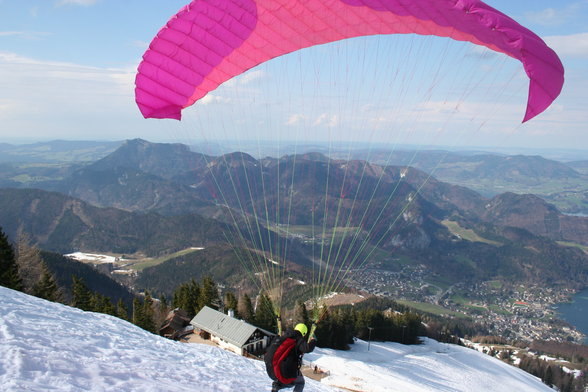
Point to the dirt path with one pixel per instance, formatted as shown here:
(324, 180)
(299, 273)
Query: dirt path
(195, 338)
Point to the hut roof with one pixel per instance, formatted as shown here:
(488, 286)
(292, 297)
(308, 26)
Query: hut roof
(176, 319)
(230, 329)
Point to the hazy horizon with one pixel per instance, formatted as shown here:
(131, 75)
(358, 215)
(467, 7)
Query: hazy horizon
(66, 76)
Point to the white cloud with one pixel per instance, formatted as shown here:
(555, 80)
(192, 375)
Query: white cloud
(33, 89)
(24, 34)
(59, 69)
(326, 120)
(247, 78)
(76, 2)
(9, 33)
(556, 16)
(251, 76)
(140, 44)
(7, 106)
(547, 17)
(295, 119)
(575, 45)
(241, 88)
(213, 98)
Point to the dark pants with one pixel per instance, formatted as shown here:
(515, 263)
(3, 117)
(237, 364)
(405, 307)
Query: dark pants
(298, 385)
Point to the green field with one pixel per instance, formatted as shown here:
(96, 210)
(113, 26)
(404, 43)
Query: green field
(570, 199)
(495, 284)
(480, 309)
(144, 263)
(466, 234)
(438, 281)
(459, 299)
(431, 308)
(317, 231)
(574, 245)
(497, 309)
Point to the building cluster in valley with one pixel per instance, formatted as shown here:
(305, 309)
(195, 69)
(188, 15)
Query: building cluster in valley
(516, 312)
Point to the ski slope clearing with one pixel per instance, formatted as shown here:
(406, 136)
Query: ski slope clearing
(430, 367)
(91, 257)
(46, 346)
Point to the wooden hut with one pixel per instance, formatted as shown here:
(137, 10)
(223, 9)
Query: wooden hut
(232, 334)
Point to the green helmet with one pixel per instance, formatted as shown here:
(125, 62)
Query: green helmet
(302, 328)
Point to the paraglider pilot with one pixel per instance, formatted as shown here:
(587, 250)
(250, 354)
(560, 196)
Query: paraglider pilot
(283, 358)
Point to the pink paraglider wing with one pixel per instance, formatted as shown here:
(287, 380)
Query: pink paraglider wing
(210, 41)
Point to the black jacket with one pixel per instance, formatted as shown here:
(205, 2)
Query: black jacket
(290, 366)
(293, 361)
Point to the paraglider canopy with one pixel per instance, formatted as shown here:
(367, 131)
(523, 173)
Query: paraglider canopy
(210, 41)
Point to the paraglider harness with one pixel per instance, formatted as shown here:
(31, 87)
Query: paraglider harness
(278, 358)
(274, 358)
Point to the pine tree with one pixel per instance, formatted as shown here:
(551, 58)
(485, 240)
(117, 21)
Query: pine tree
(137, 317)
(264, 314)
(324, 330)
(245, 308)
(9, 276)
(46, 287)
(342, 329)
(412, 328)
(548, 375)
(231, 302)
(301, 314)
(121, 310)
(108, 307)
(192, 297)
(82, 297)
(163, 302)
(95, 302)
(186, 297)
(148, 314)
(208, 294)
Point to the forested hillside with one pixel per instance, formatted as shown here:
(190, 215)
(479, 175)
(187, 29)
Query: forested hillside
(63, 224)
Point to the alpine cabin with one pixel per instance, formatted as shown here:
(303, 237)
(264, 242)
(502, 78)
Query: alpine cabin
(232, 334)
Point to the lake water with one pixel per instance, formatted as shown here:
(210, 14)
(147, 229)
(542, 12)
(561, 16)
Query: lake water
(576, 312)
(581, 215)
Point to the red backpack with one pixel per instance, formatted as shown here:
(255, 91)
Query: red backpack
(274, 358)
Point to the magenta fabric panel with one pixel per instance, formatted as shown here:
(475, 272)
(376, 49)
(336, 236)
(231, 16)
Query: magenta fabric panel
(185, 52)
(211, 41)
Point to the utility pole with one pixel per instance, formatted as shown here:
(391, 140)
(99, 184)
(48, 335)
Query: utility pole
(369, 337)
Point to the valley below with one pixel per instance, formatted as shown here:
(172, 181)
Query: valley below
(517, 312)
(514, 311)
(153, 216)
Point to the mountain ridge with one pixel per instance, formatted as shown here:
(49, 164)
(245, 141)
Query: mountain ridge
(370, 211)
(63, 224)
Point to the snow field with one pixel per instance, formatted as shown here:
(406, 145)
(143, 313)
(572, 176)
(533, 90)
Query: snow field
(46, 346)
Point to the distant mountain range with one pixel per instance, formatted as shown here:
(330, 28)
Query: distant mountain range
(562, 184)
(158, 198)
(56, 151)
(515, 168)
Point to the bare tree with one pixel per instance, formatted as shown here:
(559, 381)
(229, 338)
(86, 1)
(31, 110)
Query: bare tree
(29, 261)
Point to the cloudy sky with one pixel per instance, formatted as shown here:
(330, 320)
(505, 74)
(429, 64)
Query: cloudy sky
(67, 70)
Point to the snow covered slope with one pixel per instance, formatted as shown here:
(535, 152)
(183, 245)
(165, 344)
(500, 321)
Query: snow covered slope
(46, 346)
(430, 367)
